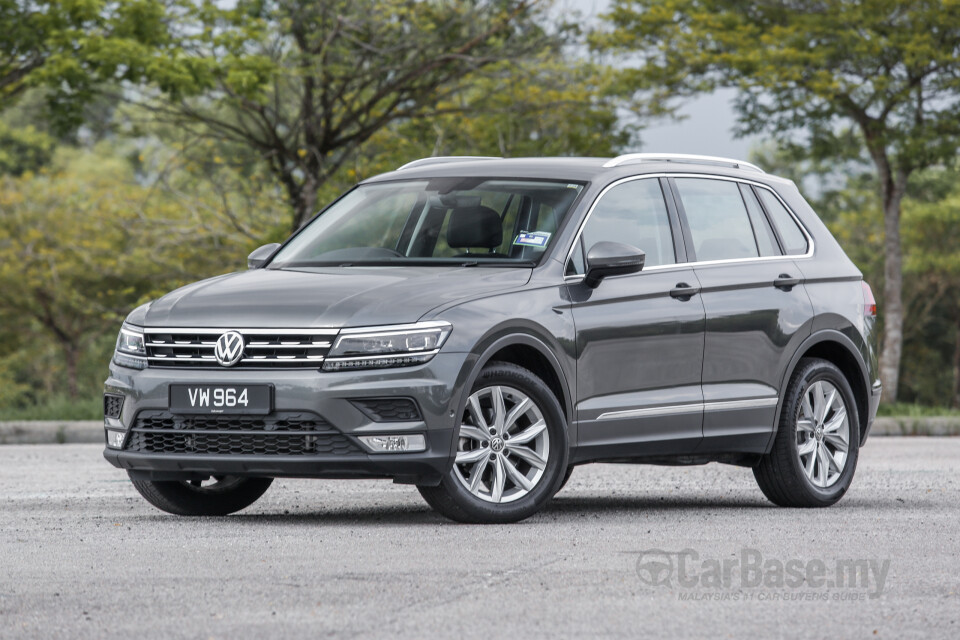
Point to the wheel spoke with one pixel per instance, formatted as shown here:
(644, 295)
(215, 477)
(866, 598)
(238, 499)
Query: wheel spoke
(831, 460)
(499, 475)
(807, 447)
(808, 467)
(806, 407)
(822, 466)
(476, 473)
(469, 457)
(836, 421)
(837, 441)
(499, 411)
(529, 433)
(532, 457)
(515, 413)
(828, 403)
(805, 425)
(474, 433)
(477, 412)
(518, 478)
(819, 404)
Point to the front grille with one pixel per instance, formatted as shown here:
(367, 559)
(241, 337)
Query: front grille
(112, 405)
(264, 348)
(283, 433)
(388, 409)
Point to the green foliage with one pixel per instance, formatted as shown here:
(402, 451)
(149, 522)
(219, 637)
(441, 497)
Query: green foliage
(60, 407)
(304, 87)
(23, 149)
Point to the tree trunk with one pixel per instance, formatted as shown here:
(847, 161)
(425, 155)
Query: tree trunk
(893, 312)
(71, 354)
(956, 364)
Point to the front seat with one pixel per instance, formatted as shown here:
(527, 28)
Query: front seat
(475, 227)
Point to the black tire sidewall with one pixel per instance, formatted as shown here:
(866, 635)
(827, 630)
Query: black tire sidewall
(506, 374)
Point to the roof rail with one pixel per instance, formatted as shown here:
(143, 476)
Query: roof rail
(680, 157)
(422, 162)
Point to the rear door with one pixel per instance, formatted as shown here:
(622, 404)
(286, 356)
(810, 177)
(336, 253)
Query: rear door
(639, 336)
(757, 311)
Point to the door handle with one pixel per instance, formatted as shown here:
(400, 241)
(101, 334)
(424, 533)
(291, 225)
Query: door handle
(786, 282)
(683, 291)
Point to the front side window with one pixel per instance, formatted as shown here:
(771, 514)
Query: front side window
(438, 221)
(718, 220)
(633, 213)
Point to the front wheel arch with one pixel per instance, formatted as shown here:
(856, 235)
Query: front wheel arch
(528, 352)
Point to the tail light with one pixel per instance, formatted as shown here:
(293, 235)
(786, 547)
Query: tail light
(869, 302)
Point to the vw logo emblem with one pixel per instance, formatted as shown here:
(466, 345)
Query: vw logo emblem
(229, 348)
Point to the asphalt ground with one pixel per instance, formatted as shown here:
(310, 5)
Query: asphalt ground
(622, 551)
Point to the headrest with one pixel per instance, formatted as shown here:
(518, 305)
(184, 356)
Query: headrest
(476, 226)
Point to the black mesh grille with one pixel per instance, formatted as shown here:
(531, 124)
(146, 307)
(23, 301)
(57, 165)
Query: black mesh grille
(389, 409)
(281, 434)
(112, 405)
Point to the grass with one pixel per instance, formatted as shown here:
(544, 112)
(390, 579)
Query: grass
(61, 408)
(908, 410)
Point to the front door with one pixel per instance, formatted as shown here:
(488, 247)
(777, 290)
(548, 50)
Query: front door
(640, 336)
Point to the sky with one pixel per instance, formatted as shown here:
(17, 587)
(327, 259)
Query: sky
(707, 128)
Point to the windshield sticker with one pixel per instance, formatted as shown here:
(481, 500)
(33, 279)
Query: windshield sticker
(532, 239)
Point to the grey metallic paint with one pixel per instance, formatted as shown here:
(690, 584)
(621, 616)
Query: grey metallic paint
(625, 345)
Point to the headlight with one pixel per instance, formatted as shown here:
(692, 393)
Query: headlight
(395, 346)
(131, 350)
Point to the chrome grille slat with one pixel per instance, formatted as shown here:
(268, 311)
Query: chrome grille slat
(264, 348)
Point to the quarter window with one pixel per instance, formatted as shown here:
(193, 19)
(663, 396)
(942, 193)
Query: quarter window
(719, 224)
(766, 240)
(794, 242)
(633, 213)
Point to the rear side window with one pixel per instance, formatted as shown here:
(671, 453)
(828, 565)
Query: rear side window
(717, 216)
(766, 240)
(633, 213)
(794, 242)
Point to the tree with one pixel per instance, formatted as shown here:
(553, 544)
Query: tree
(304, 85)
(932, 241)
(83, 242)
(888, 68)
(71, 45)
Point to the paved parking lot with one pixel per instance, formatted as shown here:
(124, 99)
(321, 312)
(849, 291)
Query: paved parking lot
(622, 551)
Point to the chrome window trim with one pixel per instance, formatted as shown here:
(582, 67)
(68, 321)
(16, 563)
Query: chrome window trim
(667, 410)
(811, 247)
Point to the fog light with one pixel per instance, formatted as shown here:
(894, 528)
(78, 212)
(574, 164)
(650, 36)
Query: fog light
(115, 438)
(394, 444)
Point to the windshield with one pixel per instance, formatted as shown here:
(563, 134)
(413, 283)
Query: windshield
(469, 221)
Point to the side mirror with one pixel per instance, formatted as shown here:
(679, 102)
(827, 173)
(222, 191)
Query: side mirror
(256, 259)
(612, 259)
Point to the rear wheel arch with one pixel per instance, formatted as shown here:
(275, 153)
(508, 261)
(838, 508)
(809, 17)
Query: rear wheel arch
(838, 349)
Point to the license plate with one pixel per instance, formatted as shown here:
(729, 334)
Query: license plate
(255, 399)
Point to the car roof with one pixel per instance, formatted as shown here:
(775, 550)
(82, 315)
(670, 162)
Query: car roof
(577, 169)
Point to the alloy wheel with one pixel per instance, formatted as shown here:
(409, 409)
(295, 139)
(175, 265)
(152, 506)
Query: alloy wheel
(823, 433)
(504, 445)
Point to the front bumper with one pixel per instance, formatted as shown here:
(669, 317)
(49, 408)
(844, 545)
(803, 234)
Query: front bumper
(435, 387)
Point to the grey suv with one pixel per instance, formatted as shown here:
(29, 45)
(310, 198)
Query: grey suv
(480, 326)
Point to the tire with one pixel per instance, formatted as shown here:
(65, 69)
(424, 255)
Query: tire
(566, 478)
(797, 472)
(512, 445)
(226, 494)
